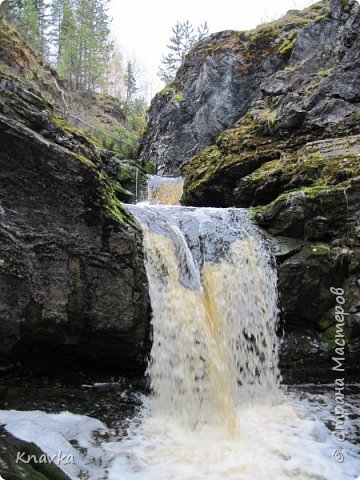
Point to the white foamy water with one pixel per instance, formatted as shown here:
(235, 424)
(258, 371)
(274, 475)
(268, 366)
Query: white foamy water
(67, 437)
(284, 441)
(217, 410)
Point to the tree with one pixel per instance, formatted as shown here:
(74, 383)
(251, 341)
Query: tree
(67, 51)
(73, 34)
(43, 23)
(80, 37)
(29, 23)
(29, 17)
(181, 42)
(130, 83)
(56, 16)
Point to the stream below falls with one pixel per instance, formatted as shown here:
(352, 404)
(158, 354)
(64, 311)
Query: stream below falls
(217, 409)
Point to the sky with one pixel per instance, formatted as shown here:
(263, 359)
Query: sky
(143, 28)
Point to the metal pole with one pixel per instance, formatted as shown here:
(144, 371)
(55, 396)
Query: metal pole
(136, 183)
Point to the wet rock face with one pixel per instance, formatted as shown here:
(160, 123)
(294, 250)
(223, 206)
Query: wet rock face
(73, 287)
(72, 284)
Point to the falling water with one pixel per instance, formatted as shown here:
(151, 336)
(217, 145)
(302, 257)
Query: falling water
(213, 293)
(216, 410)
(164, 190)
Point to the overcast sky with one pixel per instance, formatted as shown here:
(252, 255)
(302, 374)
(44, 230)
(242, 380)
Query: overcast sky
(143, 27)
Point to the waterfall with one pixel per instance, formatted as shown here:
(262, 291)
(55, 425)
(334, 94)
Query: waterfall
(164, 190)
(213, 296)
(216, 410)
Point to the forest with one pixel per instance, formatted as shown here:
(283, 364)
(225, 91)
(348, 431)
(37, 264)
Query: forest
(74, 37)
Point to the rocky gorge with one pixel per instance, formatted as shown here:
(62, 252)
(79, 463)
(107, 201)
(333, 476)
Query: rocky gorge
(266, 120)
(269, 120)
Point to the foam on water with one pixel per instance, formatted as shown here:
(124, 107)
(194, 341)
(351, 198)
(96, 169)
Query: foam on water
(283, 441)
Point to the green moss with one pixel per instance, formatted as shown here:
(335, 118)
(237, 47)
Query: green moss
(171, 89)
(209, 156)
(150, 168)
(202, 167)
(313, 85)
(311, 171)
(289, 69)
(259, 209)
(109, 190)
(346, 7)
(268, 115)
(325, 73)
(320, 18)
(76, 132)
(243, 134)
(177, 98)
(286, 47)
(144, 130)
(264, 33)
(297, 18)
(166, 90)
(313, 192)
(26, 62)
(311, 13)
(240, 147)
(81, 158)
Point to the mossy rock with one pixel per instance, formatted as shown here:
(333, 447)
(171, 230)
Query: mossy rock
(287, 45)
(295, 171)
(236, 153)
(314, 213)
(345, 5)
(77, 133)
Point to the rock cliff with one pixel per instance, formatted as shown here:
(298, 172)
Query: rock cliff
(269, 120)
(73, 288)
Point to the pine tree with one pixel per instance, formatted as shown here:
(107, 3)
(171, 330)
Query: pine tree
(55, 21)
(72, 34)
(43, 23)
(66, 46)
(99, 46)
(130, 83)
(29, 23)
(181, 42)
